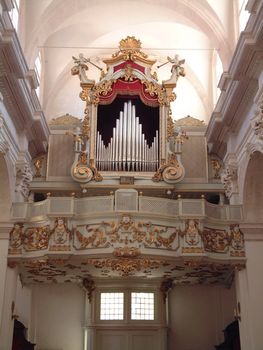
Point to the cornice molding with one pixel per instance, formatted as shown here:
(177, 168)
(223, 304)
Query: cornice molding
(239, 84)
(17, 84)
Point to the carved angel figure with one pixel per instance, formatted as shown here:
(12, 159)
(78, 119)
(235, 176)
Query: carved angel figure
(177, 68)
(61, 233)
(237, 237)
(192, 236)
(80, 68)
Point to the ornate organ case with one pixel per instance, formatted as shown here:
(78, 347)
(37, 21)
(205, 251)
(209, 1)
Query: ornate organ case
(128, 127)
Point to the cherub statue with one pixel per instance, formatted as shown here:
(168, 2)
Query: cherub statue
(80, 68)
(177, 68)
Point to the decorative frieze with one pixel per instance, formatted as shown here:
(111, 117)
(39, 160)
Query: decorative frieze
(128, 238)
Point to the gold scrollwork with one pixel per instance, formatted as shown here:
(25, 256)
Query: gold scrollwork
(84, 172)
(36, 238)
(126, 232)
(126, 252)
(126, 266)
(172, 171)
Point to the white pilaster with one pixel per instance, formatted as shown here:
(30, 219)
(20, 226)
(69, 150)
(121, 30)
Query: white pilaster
(249, 285)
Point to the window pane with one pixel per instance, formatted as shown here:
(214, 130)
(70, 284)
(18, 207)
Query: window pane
(111, 306)
(142, 306)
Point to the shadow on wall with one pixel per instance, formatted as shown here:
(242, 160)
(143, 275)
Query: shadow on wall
(253, 190)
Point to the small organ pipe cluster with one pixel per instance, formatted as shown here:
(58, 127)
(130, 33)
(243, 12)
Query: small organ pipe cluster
(128, 149)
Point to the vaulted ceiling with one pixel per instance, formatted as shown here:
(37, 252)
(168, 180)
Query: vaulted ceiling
(201, 31)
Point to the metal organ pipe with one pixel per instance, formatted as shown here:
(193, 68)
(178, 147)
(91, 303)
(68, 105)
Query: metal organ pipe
(128, 149)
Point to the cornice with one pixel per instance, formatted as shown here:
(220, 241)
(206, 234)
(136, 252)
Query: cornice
(239, 85)
(18, 85)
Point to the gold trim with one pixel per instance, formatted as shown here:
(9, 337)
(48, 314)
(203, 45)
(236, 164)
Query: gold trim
(66, 119)
(189, 121)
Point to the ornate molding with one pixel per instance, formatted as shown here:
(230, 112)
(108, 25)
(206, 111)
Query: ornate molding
(126, 266)
(83, 171)
(170, 172)
(127, 233)
(66, 119)
(189, 121)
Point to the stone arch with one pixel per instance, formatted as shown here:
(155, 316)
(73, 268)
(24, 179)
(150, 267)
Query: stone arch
(253, 190)
(5, 189)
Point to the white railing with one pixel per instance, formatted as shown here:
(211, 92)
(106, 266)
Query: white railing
(161, 207)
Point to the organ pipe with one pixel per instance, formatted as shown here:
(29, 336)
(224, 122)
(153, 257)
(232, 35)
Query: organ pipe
(128, 149)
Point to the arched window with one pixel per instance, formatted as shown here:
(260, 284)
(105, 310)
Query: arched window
(14, 13)
(38, 68)
(242, 14)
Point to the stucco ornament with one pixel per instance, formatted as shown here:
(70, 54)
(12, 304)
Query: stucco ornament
(229, 180)
(24, 176)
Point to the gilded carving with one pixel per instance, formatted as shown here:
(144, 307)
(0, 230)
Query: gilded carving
(217, 166)
(16, 239)
(237, 242)
(126, 252)
(66, 119)
(60, 235)
(130, 49)
(36, 238)
(170, 172)
(38, 163)
(126, 232)
(128, 73)
(154, 89)
(192, 234)
(189, 121)
(84, 172)
(215, 240)
(102, 88)
(126, 266)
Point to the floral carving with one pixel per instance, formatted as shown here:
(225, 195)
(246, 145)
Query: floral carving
(16, 239)
(215, 240)
(126, 266)
(36, 238)
(126, 232)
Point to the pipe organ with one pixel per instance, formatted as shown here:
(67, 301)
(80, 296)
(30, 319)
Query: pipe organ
(128, 149)
(127, 126)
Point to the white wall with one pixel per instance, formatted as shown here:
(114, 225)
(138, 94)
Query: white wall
(198, 314)
(59, 315)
